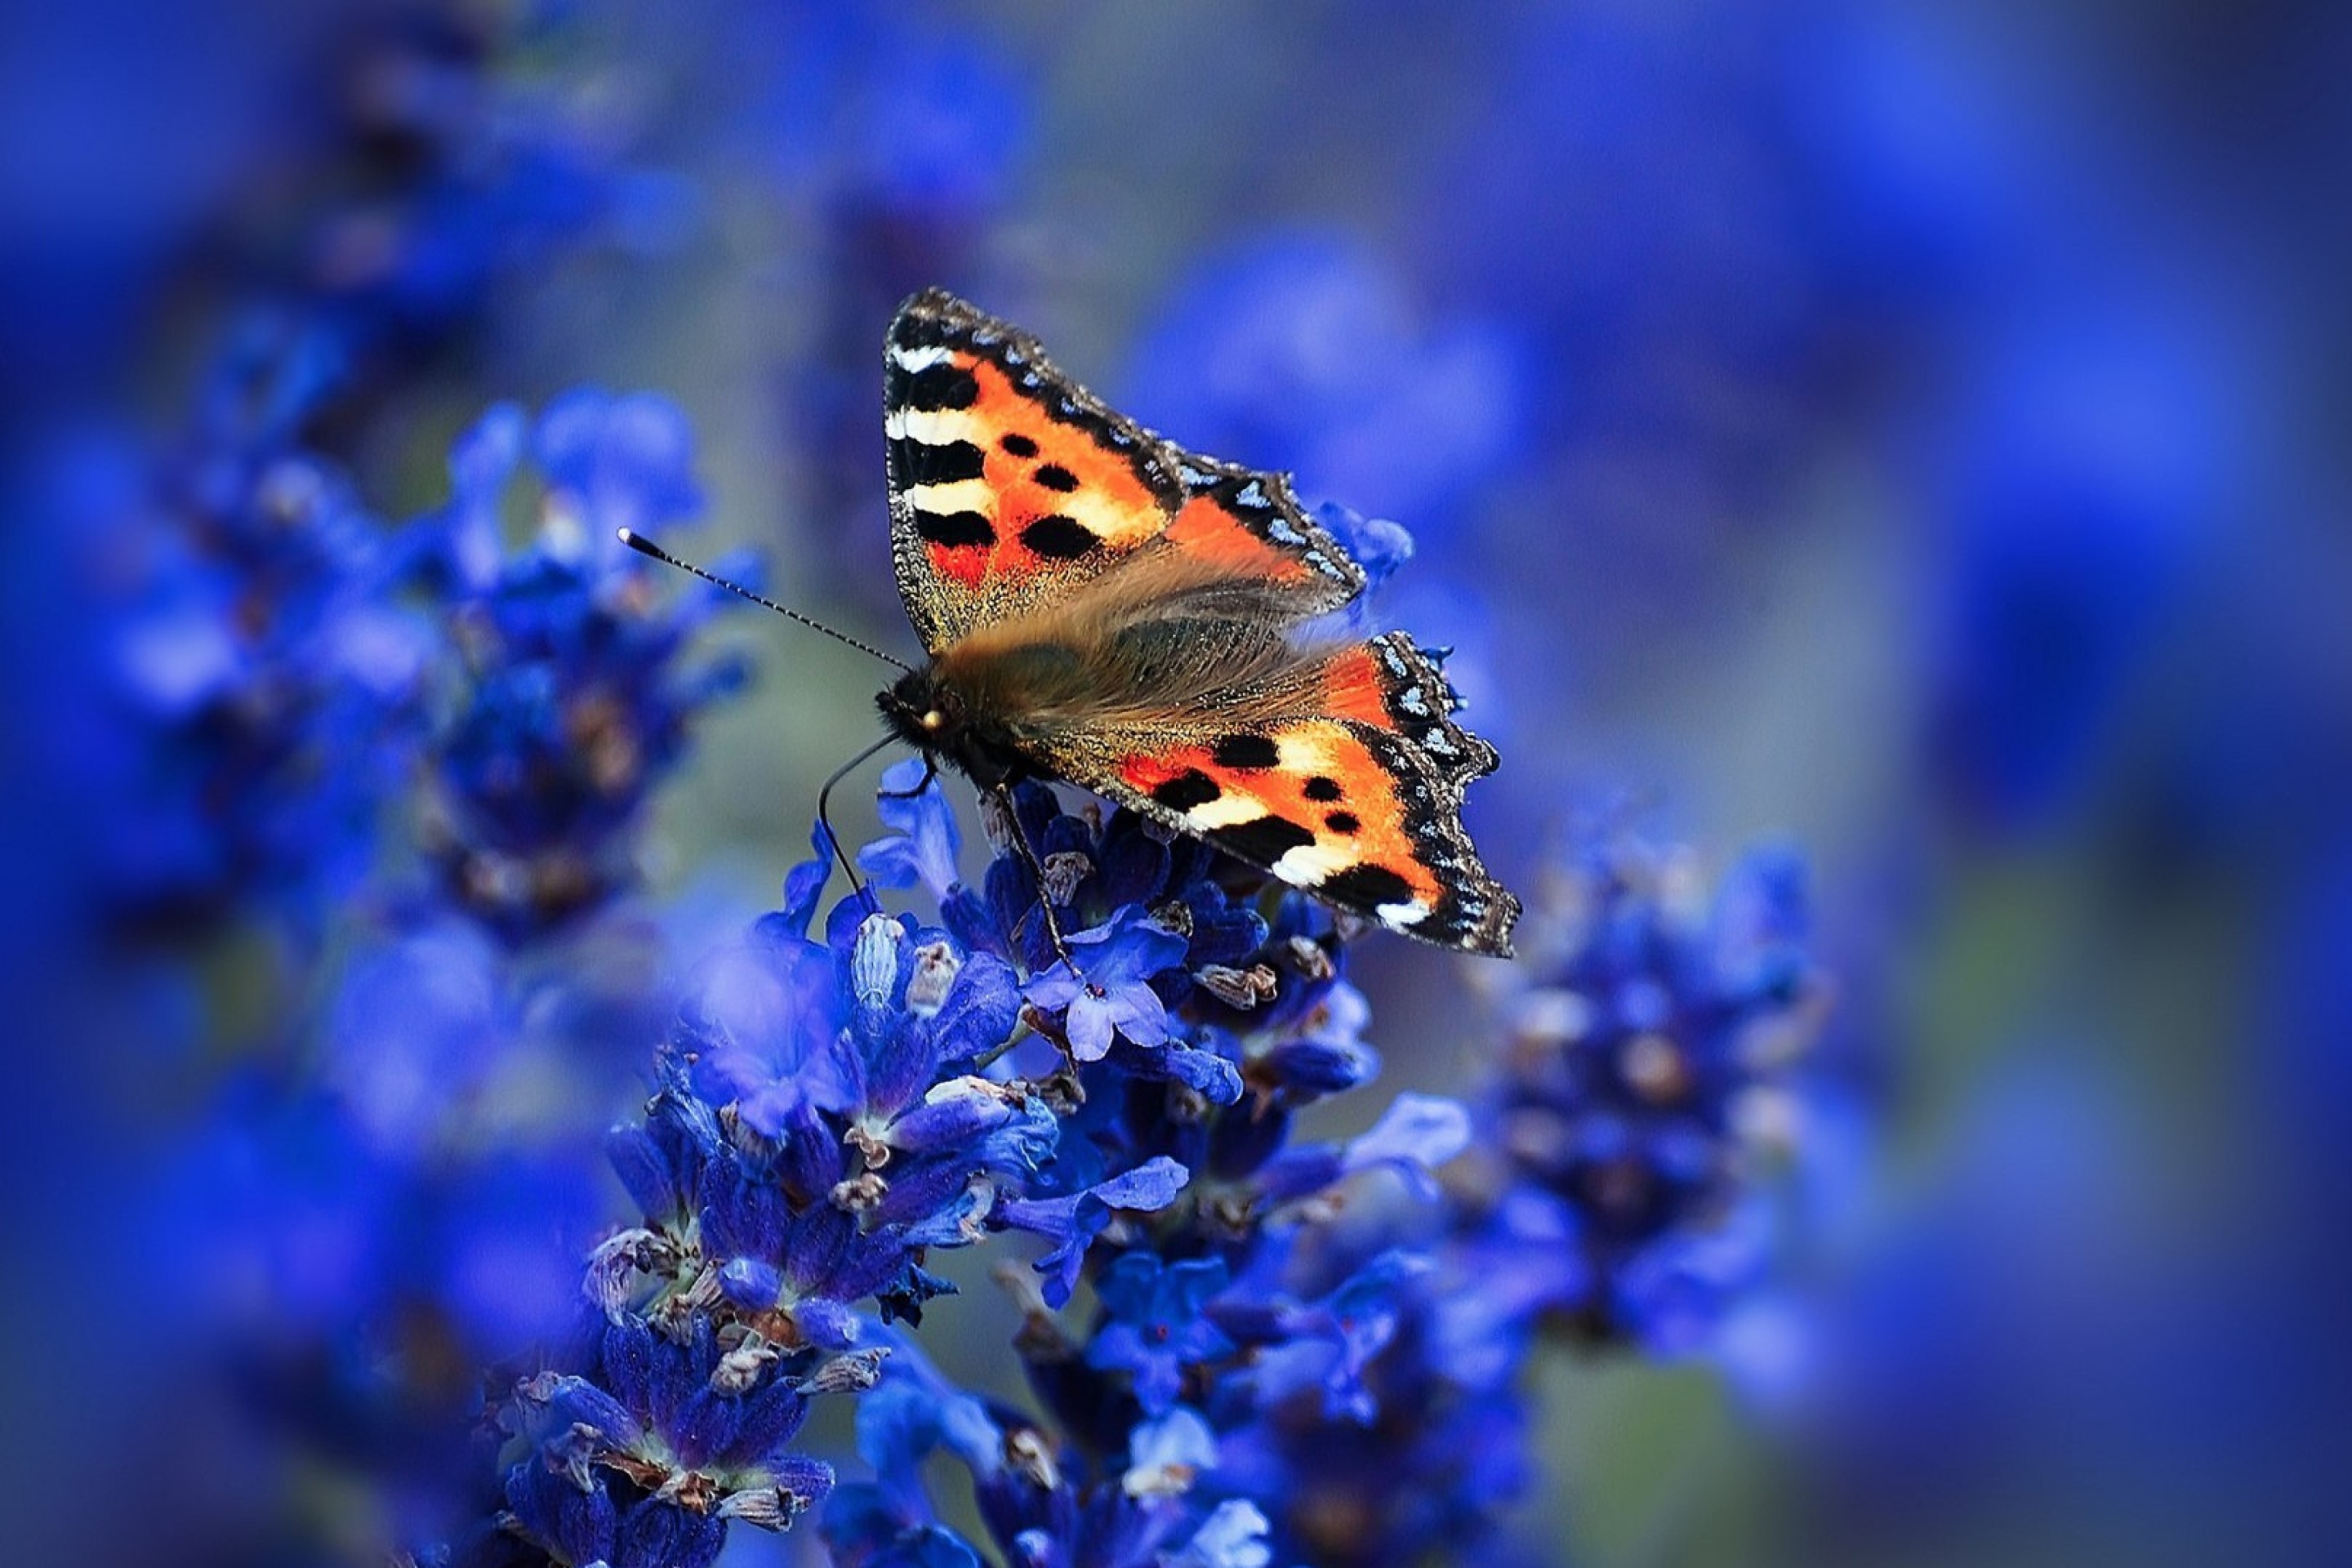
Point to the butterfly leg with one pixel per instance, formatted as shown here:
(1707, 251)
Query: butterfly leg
(1004, 792)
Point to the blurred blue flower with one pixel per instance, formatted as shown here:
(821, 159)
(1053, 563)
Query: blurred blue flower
(248, 695)
(613, 462)
(2081, 481)
(446, 170)
(1647, 1075)
(383, 1187)
(1301, 351)
(576, 692)
(898, 139)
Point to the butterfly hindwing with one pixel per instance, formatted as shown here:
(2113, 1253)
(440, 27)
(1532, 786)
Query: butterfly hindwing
(1389, 685)
(1342, 799)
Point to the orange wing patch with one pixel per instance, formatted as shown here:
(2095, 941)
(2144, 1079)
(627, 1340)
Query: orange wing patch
(996, 486)
(1312, 803)
(1208, 531)
(1249, 523)
(1354, 688)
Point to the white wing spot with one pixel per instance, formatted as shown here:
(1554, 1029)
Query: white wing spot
(931, 426)
(1312, 864)
(962, 495)
(1225, 811)
(919, 359)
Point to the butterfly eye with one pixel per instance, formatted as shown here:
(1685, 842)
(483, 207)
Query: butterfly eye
(934, 718)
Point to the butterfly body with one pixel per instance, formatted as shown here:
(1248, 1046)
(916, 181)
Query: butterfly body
(1102, 607)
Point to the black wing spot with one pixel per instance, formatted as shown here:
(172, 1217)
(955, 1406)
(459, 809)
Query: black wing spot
(1017, 444)
(1365, 887)
(1186, 790)
(1246, 751)
(955, 528)
(936, 462)
(1323, 788)
(934, 386)
(1060, 538)
(1055, 476)
(1342, 822)
(1266, 840)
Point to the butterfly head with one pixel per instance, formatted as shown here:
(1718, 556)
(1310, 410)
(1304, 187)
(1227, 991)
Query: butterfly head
(923, 711)
(931, 715)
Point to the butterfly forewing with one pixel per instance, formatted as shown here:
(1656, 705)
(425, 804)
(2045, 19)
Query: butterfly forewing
(1012, 486)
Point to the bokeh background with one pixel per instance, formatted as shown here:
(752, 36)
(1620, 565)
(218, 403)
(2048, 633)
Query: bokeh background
(1914, 433)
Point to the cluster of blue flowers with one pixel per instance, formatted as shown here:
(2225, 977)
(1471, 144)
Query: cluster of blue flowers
(1241, 1346)
(337, 945)
(229, 676)
(575, 695)
(393, 1186)
(1644, 1084)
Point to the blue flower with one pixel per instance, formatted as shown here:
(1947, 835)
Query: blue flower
(1118, 962)
(1073, 1222)
(1378, 1422)
(647, 1463)
(924, 840)
(1233, 1536)
(863, 1025)
(814, 1134)
(889, 1521)
(1043, 1507)
(1155, 1328)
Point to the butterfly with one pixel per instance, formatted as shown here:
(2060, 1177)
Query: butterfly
(1102, 607)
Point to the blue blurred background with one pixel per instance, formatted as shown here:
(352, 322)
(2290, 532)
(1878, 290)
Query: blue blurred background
(1912, 432)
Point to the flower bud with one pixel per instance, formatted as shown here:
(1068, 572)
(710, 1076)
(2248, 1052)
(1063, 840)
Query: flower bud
(873, 962)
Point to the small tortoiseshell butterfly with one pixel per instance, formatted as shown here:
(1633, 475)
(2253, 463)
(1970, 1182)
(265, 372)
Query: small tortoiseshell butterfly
(1102, 607)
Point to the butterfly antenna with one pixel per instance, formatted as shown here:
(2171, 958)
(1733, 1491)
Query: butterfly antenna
(825, 821)
(644, 546)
